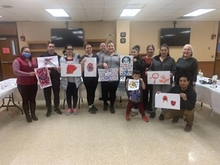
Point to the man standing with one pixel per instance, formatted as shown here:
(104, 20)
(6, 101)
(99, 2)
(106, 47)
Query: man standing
(187, 103)
(55, 78)
(102, 48)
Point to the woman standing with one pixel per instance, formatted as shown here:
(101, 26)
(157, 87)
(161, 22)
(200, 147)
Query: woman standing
(187, 65)
(71, 84)
(90, 82)
(148, 92)
(23, 68)
(162, 62)
(109, 60)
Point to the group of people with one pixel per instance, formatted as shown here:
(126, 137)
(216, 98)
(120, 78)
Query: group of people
(183, 73)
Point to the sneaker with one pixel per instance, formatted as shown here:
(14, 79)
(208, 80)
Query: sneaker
(112, 110)
(96, 109)
(188, 128)
(145, 118)
(127, 117)
(69, 111)
(161, 117)
(59, 111)
(152, 115)
(175, 119)
(105, 108)
(75, 111)
(92, 110)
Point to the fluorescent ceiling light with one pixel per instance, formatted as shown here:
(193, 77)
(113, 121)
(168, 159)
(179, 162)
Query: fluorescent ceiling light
(129, 12)
(0, 16)
(198, 12)
(57, 12)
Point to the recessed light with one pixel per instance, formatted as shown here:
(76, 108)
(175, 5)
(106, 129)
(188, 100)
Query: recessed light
(0, 16)
(7, 6)
(198, 12)
(129, 12)
(57, 12)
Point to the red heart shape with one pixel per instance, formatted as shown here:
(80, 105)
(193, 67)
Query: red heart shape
(173, 102)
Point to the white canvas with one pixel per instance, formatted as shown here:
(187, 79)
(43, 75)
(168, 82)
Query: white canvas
(70, 70)
(110, 74)
(126, 65)
(43, 77)
(49, 62)
(158, 77)
(133, 84)
(90, 67)
(167, 101)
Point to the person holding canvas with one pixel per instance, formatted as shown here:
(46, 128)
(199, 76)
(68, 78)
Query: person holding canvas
(23, 68)
(70, 84)
(162, 62)
(55, 78)
(187, 102)
(90, 76)
(136, 94)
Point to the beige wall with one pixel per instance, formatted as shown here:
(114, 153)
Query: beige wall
(40, 31)
(144, 33)
(141, 33)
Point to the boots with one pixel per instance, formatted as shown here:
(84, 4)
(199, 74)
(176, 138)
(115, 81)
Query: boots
(33, 108)
(26, 111)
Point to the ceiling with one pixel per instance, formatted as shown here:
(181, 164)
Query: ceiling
(107, 10)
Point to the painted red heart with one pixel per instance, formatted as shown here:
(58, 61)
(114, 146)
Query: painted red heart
(173, 102)
(70, 69)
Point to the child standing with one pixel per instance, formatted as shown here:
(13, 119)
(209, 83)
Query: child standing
(136, 96)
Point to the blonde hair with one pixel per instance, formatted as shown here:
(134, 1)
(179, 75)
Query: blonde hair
(190, 46)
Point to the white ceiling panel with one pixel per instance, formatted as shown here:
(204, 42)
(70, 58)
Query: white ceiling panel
(91, 10)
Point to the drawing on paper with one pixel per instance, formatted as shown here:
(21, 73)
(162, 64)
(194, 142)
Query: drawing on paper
(126, 65)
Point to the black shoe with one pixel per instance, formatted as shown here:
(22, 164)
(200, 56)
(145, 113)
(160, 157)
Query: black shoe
(92, 110)
(152, 115)
(188, 128)
(150, 111)
(105, 108)
(59, 111)
(48, 113)
(34, 117)
(28, 118)
(161, 117)
(96, 109)
(112, 110)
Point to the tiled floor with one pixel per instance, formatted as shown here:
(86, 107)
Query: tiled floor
(108, 139)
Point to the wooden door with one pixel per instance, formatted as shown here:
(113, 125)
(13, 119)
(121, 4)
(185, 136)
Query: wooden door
(8, 52)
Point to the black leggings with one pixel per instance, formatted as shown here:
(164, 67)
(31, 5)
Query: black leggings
(71, 91)
(91, 85)
(28, 94)
(109, 88)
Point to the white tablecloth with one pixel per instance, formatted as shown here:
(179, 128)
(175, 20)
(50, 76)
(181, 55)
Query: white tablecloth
(209, 94)
(7, 87)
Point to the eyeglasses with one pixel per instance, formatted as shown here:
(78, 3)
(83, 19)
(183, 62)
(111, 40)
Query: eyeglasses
(69, 49)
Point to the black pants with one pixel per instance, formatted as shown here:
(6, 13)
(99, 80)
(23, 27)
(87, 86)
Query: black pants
(91, 85)
(147, 97)
(109, 88)
(71, 91)
(56, 92)
(28, 94)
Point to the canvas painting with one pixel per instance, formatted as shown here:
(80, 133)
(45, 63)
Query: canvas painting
(158, 77)
(49, 62)
(70, 70)
(126, 65)
(90, 67)
(167, 100)
(133, 84)
(110, 74)
(43, 77)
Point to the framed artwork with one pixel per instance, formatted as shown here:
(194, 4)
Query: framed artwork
(49, 62)
(110, 74)
(70, 70)
(133, 84)
(43, 77)
(126, 65)
(167, 100)
(158, 77)
(90, 67)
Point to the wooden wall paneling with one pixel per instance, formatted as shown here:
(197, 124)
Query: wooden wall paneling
(207, 68)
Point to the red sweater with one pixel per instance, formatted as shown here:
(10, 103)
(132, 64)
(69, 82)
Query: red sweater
(24, 67)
